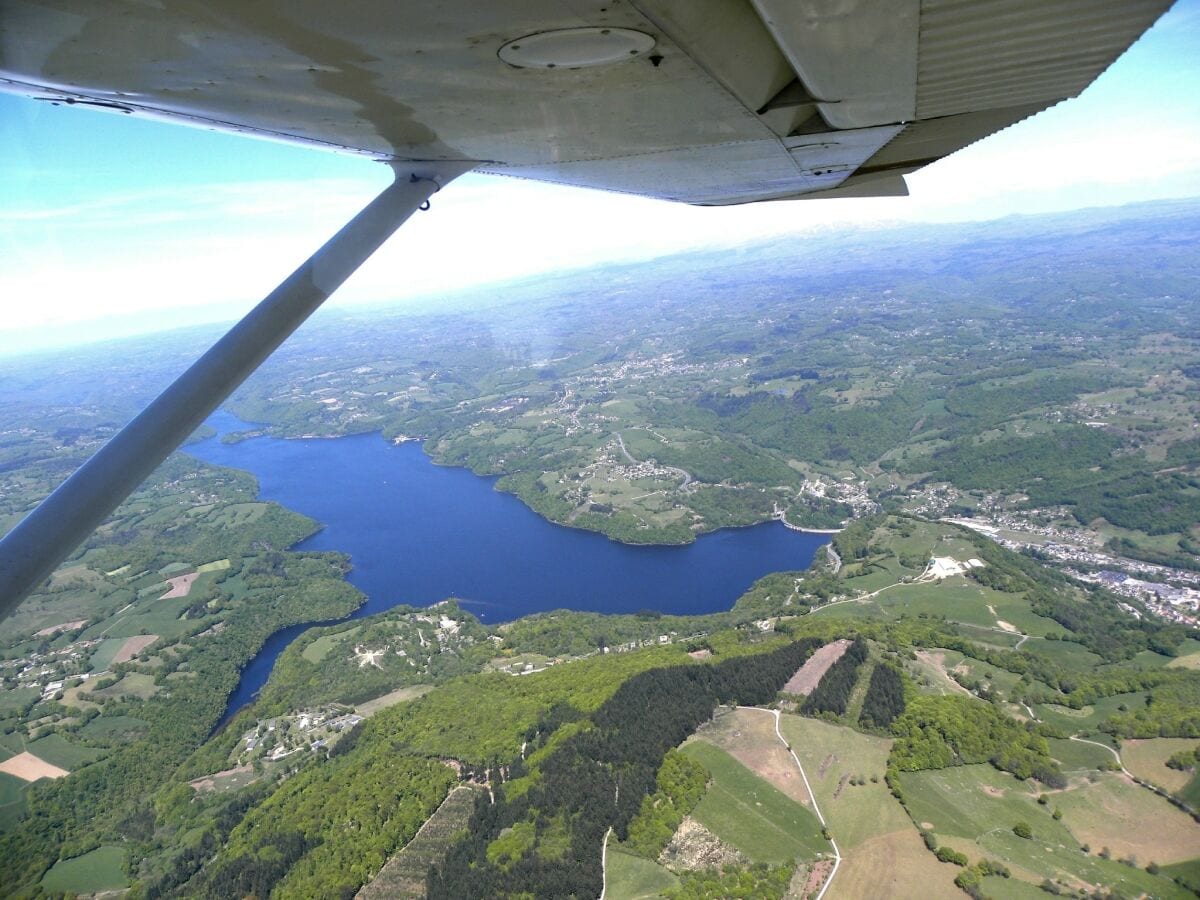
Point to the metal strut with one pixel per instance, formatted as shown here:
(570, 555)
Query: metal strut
(45, 537)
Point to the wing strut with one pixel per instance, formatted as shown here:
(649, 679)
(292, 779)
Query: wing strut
(45, 537)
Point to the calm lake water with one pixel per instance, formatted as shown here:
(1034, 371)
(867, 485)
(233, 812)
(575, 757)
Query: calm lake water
(418, 533)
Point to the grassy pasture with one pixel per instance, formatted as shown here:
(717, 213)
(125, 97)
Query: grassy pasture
(1067, 654)
(103, 869)
(161, 617)
(102, 656)
(973, 809)
(321, 647)
(1188, 655)
(830, 753)
(1077, 721)
(1114, 812)
(58, 751)
(233, 515)
(17, 698)
(896, 866)
(1075, 756)
(1188, 872)
(1187, 661)
(135, 684)
(1191, 793)
(12, 800)
(958, 599)
(1147, 759)
(401, 695)
(931, 670)
(748, 735)
(113, 728)
(968, 801)
(634, 878)
(998, 888)
(746, 812)
(1034, 860)
(12, 744)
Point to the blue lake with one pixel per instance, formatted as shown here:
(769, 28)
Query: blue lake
(418, 533)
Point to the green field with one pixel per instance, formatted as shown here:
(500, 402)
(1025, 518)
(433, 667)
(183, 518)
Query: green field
(1130, 820)
(102, 656)
(12, 800)
(1147, 759)
(1075, 756)
(319, 649)
(957, 599)
(745, 811)
(17, 697)
(967, 801)
(1079, 721)
(134, 684)
(830, 753)
(58, 751)
(1067, 654)
(232, 515)
(103, 869)
(113, 728)
(633, 878)
(11, 744)
(974, 808)
(1188, 872)
(161, 617)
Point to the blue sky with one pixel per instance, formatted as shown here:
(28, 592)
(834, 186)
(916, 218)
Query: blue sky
(110, 223)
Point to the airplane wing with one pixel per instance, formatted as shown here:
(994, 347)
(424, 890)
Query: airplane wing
(703, 101)
(709, 102)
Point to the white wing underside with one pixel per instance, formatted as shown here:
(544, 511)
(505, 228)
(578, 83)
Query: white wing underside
(738, 101)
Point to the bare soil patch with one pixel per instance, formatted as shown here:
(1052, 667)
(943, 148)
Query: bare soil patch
(132, 647)
(702, 653)
(209, 782)
(749, 737)
(817, 876)
(401, 695)
(181, 586)
(28, 767)
(992, 791)
(809, 675)
(55, 629)
(825, 764)
(695, 847)
(841, 786)
(937, 661)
